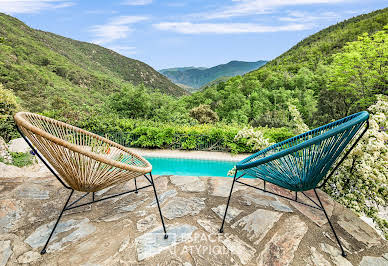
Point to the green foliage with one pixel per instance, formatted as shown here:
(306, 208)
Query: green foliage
(204, 114)
(8, 107)
(359, 71)
(38, 65)
(21, 159)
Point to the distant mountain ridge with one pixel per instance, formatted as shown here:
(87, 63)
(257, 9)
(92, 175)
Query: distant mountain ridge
(196, 77)
(44, 69)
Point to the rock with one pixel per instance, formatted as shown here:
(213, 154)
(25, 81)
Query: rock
(146, 223)
(78, 228)
(335, 255)
(111, 218)
(373, 261)
(32, 191)
(239, 248)
(179, 207)
(10, 213)
(385, 256)
(358, 229)
(124, 245)
(128, 208)
(29, 257)
(231, 214)
(220, 187)
(208, 225)
(279, 206)
(4, 152)
(153, 242)
(141, 213)
(281, 248)
(162, 197)
(315, 215)
(18, 145)
(372, 224)
(258, 224)
(5, 251)
(345, 244)
(317, 259)
(102, 191)
(10, 171)
(266, 200)
(234, 244)
(188, 183)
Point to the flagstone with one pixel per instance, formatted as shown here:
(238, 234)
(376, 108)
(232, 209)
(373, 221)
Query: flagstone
(258, 224)
(153, 242)
(280, 250)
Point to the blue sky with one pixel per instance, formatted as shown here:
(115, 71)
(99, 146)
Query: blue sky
(171, 33)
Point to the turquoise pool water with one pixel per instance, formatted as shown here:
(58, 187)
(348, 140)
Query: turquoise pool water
(189, 167)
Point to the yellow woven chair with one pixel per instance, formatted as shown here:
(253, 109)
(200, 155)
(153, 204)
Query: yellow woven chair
(81, 160)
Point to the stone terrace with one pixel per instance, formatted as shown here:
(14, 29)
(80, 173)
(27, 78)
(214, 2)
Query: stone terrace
(261, 229)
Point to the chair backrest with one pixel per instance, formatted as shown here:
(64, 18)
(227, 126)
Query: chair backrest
(301, 162)
(86, 161)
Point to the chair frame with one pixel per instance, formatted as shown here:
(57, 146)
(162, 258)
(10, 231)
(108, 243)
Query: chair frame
(317, 205)
(70, 206)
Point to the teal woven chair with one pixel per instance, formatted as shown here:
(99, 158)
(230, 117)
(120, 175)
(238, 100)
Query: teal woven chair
(302, 163)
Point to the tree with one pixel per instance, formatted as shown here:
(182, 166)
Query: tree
(131, 102)
(204, 114)
(360, 71)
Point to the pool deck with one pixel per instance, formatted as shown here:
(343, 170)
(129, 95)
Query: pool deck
(201, 155)
(261, 229)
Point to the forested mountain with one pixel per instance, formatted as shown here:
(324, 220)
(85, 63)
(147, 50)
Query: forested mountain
(328, 75)
(180, 69)
(198, 77)
(45, 69)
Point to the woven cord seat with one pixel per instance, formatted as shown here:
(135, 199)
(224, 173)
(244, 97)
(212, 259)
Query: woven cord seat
(83, 161)
(302, 162)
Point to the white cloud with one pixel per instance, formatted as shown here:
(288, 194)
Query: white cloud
(297, 16)
(137, 2)
(226, 28)
(117, 28)
(31, 6)
(254, 7)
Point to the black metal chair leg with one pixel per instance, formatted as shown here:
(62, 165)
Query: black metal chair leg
(93, 196)
(55, 226)
(136, 186)
(332, 228)
(160, 211)
(227, 205)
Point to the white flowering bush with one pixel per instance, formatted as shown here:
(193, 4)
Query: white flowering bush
(297, 123)
(254, 138)
(361, 183)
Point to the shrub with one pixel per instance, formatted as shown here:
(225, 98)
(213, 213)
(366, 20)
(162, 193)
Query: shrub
(253, 138)
(204, 114)
(21, 159)
(8, 107)
(361, 183)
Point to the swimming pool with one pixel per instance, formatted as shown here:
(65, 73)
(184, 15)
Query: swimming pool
(189, 167)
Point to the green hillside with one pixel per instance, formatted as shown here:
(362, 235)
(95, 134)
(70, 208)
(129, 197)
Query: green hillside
(198, 77)
(44, 69)
(318, 47)
(333, 73)
(180, 69)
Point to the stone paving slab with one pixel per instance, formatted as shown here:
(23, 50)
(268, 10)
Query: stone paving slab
(261, 229)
